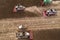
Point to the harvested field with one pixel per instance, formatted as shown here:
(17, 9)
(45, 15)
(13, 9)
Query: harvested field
(43, 28)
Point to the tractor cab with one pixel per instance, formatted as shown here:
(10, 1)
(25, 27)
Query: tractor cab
(23, 33)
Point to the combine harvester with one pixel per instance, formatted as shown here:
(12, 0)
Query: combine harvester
(24, 34)
(51, 11)
(42, 3)
(20, 7)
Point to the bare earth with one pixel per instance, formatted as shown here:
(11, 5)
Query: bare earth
(43, 28)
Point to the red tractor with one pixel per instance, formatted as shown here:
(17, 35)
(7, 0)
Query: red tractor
(24, 34)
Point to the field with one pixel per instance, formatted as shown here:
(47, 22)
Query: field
(43, 28)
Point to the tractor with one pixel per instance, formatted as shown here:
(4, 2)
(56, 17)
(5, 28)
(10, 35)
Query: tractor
(23, 33)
